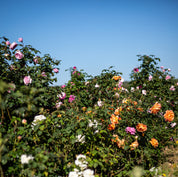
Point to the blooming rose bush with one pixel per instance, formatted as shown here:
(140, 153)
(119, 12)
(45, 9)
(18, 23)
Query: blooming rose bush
(91, 126)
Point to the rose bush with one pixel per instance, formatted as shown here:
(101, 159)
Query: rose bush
(91, 126)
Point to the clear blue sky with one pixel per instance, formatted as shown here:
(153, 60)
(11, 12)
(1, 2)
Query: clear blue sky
(95, 34)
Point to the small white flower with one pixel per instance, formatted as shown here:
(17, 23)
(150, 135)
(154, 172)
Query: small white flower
(81, 161)
(100, 103)
(25, 158)
(97, 86)
(144, 92)
(88, 173)
(80, 138)
(132, 89)
(73, 174)
(37, 119)
(173, 124)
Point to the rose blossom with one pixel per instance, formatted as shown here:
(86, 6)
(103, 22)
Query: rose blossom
(13, 46)
(130, 130)
(150, 77)
(19, 55)
(168, 77)
(24, 121)
(55, 70)
(7, 43)
(162, 67)
(20, 39)
(58, 104)
(36, 59)
(74, 67)
(136, 70)
(173, 124)
(62, 95)
(63, 86)
(27, 80)
(172, 88)
(71, 98)
(144, 92)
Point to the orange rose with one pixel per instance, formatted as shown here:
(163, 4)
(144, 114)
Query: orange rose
(120, 143)
(169, 115)
(114, 119)
(116, 78)
(118, 111)
(134, 144)
(141, 127)
(140, 109)
(111, 127)
(155, 108)
(154, 142)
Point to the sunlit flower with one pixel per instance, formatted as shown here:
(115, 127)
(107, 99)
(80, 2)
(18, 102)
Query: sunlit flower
(7, 43)
(144, 92)
(99, 103)
(13, 46)
(136, 70)
(88, 173)
(111, 127)
(168, 77)
(172, 88)
(169, 116)
(132, 89)
(27, 80)
(116, 78)
(24, 121)
(150, 77)
(141, 127)
(20, 39)
(62, 95)
(19, 55)
(173, 124)
(25, 159)
(169, 69)
(58, 104)
(114, 119)
(80, 138)
(155, 108)
(55, 70)
(135, 144)
(37, 119)
(97, 86)
(154, 142)
(118, 111)
(71, 98)
(130, 130)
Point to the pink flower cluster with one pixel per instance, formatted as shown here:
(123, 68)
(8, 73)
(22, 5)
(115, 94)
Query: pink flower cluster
(130, 130)
(136, 70)
(71, 98)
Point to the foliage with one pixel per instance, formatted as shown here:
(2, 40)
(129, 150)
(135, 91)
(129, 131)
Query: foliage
(118, 131)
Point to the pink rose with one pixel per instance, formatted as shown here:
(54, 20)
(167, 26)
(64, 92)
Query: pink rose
(7, 43)
(136, 70)
(36, 59)
(71, 98)
(63, 86)
(58, 104)
(24, 121)
(20, 39)
(144, 92)
(19, 55)
(172, 88)
(168, 77)
(75, 67)
(62, 95)
(150, 78)
(43, 74)
(162, 67)
(130, 130)
(55, 70)
(27, 80)
(13, 46)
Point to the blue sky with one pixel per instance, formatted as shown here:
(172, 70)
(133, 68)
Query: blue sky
(95, 34)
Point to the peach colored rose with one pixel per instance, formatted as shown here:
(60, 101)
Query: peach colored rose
(114, 119)
(141, 127)
(155, 108)
(111, 127)
(169, 116)
(154, 142)
(116, 78)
